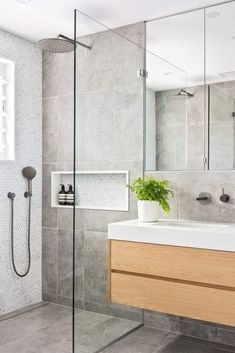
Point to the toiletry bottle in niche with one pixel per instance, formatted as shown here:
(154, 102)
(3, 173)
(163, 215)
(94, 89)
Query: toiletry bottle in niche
(70, 196)
(62, 195)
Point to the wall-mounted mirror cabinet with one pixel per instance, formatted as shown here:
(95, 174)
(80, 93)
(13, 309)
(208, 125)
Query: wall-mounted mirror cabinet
(190, 90)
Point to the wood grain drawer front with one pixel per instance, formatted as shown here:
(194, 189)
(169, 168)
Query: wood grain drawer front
(187, 264)
(203, 303)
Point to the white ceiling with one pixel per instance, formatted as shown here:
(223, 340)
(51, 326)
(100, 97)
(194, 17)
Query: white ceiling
(48, 18)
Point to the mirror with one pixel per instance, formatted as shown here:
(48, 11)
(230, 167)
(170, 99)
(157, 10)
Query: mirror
(190, 90)
(220, 80)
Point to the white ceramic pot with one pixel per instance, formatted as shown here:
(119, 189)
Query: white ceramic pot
(148, 211)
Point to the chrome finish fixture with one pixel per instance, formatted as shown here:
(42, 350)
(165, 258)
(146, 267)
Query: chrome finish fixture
(61, 44)
(203, 198)
(224, 197)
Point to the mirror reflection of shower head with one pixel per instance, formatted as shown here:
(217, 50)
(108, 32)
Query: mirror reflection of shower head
(61, 44)
(29, 173)
(183, 92)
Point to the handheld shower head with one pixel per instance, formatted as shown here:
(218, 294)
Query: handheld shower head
(29, 173)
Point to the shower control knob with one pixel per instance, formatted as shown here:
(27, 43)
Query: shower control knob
(11, 195)
(224, 197)
(27, 194)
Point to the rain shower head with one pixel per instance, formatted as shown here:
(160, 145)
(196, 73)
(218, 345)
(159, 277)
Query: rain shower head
(61, 44)
(55, 45)
(183, 92)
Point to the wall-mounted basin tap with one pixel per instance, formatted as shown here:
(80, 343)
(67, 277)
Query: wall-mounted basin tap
(224, 197)
(203, 198)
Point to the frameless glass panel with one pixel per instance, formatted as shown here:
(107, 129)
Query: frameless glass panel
(175, 109)
(220, 78)
(108, 148)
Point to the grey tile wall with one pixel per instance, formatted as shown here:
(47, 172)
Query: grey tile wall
(109, 137)
(187, 185)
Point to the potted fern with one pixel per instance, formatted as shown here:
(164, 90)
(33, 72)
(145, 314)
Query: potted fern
(151, 194)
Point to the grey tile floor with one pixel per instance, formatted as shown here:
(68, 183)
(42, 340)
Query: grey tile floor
(149, 340)
(47, 329)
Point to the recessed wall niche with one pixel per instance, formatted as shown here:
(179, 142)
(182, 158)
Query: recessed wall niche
(7, 109)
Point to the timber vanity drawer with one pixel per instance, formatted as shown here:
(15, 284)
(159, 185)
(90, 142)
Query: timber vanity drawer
(198, 265)
(190, 282)
(183, 299)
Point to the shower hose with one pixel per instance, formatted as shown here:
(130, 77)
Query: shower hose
(12, 196)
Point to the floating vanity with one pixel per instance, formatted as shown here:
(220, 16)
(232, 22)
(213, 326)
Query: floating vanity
(176, 267)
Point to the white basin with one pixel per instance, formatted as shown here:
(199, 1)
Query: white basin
(187, 224)
(204, 235)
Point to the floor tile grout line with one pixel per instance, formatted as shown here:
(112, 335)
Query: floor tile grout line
(120, 338)
(23, 312)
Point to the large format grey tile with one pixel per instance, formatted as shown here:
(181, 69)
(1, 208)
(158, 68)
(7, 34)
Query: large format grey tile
(184, 345)
(191, 184)
(127, 312)
(226, 210)
(127, 110)
(65, 128)
(65, 74)
(199, 330)
(103, 333)
(99, 60)
(65, 263)
(42, 317)
(161, 321)
(226, 337)
(49, 260)
(26, 324)
(98, 125)
(144, 340)
(11, 330)
(49, 133)
(37, 343)
(49, 77)
(49, 214)
(130, 55)
(96, 267)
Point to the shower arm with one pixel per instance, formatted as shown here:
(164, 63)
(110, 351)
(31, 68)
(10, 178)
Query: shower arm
(72, 41)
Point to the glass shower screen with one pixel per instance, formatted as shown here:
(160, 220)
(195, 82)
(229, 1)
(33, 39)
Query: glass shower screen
(108, 149)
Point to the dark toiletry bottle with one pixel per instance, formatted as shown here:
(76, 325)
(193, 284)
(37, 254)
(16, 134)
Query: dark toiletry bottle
(62, 195)
(70, 196)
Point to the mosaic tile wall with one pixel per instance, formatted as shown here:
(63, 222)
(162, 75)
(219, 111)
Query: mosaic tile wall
(15, 292)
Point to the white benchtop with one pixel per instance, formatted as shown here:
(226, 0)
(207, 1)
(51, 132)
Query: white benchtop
(214, 236)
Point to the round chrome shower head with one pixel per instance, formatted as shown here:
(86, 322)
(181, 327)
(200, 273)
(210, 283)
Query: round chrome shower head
(29, 172)
(56, 45)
